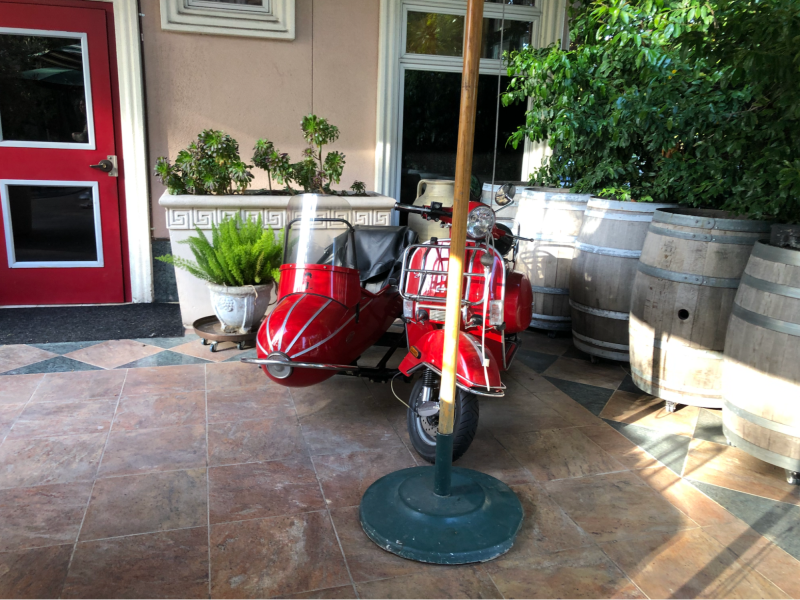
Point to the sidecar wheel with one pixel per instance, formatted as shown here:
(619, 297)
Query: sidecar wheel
(422, 430)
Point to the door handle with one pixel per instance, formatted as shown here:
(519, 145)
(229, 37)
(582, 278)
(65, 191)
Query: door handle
(107, 165)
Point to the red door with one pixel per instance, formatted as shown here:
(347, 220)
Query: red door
(60, 223)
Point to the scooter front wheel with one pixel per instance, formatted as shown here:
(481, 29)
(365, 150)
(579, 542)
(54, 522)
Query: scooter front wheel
(422, 429)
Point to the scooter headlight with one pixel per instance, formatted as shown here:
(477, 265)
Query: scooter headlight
(480, 222)
(279, 371)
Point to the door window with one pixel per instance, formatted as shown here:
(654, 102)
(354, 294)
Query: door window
(45, 95)
(53, 224)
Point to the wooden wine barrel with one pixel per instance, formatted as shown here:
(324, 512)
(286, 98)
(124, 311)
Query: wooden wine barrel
(683, 293)
(761, 369)
(552, 217)
(601, 275)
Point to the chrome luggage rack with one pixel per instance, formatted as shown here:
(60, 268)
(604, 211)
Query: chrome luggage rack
(405, 271)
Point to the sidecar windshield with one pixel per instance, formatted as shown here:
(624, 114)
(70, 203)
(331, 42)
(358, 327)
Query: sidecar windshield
(319, 232)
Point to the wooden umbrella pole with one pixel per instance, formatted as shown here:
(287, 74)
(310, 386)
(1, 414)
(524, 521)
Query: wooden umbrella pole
(458, 233)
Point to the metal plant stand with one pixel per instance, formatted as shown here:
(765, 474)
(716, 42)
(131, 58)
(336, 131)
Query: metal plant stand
(210, 330)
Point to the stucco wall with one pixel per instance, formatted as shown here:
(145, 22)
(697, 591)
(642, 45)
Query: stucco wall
(253, 88)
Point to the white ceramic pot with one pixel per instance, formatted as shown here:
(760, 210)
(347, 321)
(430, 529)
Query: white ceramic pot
(240, 309)
(431, 190)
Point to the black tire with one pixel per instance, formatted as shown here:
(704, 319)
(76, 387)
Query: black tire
(421, 430)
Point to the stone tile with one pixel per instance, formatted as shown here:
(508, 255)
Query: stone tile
(546, 528)
(754, 550)
(34, 573)
(59, 364)
(573, 352)
(604, 374)
(488, 455)
(148, 450)
(341, 431)
(168, 342)
(578, 573)
(254, 441)
(518, 417)
(16, 356)
(47, 419)
(267, 402)
(560, 454)
(260, 490)
(170, 564)
(616, 506)
(688, 564)
(709, 426)
(248, 353)
(456, 582)
(9, 414)
(777, 521)
(146, 503)
(47, 515)
(591, 397)
(19, 388)
(63, 347)
(734, 469)
(648, 411)
(537, 361)
(365, 559)
(276, 556)
(166, 409)
(154, 380)
(70, 387)
(567, 408)
(685, 497)
(627, 385)
(621, 448)
(334, 395)
(345, 477)
(670, 450)
(345, 591)
(225, 351)
(166, 358)
(541, 342)
(113, 353)
(235, 375)
(28, 462)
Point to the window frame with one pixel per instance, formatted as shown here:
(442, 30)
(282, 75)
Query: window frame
(274, 19)
(393, 61)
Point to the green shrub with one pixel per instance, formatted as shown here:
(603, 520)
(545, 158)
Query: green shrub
(688, 101)
(210, 165)
(313, 173)
(239, 253)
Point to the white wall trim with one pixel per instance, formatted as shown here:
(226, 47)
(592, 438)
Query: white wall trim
(134, 147)
(274, 19)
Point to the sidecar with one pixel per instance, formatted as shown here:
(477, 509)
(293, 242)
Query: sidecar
(337, 293)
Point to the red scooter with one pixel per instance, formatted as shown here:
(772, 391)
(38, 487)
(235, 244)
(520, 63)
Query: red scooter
(342, 287)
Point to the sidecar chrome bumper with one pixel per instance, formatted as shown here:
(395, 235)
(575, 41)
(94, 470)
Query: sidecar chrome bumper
(299, 365)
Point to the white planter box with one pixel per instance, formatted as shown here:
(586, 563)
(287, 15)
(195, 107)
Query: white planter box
(186, 212)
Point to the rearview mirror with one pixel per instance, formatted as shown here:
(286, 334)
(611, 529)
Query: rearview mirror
(505, 195)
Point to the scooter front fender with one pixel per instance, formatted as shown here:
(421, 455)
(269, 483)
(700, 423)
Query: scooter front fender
(470, 373)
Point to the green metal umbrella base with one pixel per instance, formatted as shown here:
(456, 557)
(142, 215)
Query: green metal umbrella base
(477, 522)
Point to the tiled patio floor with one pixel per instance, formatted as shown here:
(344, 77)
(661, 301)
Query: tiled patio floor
(153, 468)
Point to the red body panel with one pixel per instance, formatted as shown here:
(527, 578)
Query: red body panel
(104, 284)
(339, 283)
(518, 306)
(469, 365)
(318, 326)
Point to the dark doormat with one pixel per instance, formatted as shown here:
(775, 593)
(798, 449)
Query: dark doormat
(45, 325)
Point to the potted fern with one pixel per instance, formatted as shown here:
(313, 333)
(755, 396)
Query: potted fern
(239, 265)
